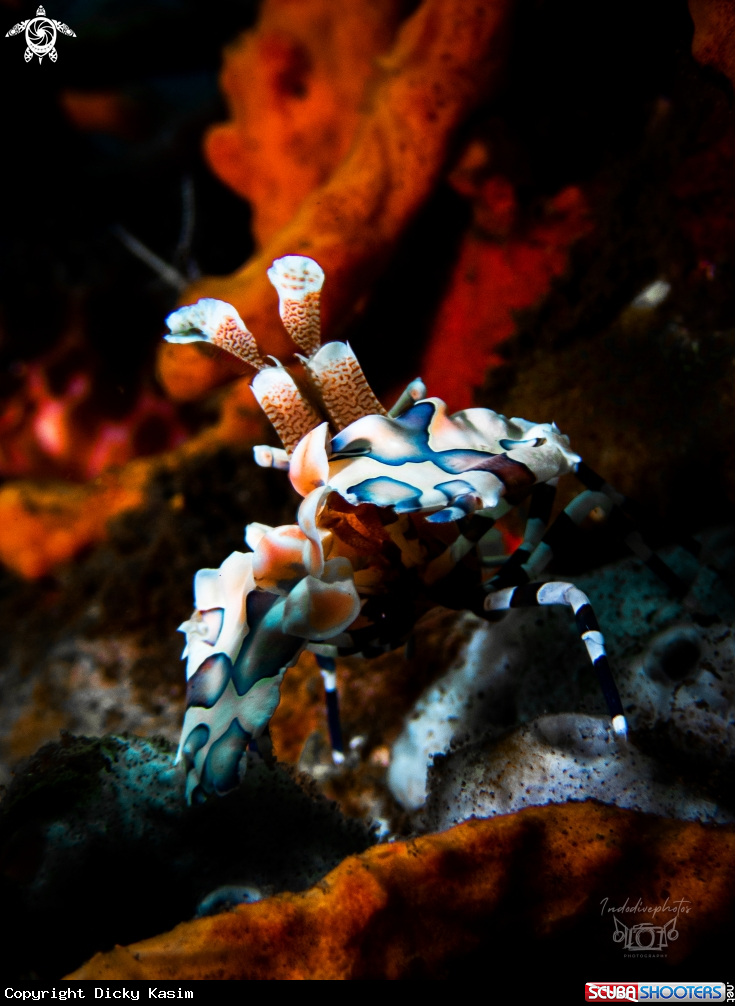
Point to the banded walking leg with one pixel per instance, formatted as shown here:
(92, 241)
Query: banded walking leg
(560, 536)
(532, 594)
(563, 532)
(533, 560)
(471, 530)
(328, 666)
(539, 511)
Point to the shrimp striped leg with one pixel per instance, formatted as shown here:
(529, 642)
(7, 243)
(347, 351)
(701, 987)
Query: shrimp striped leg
(533, 594)
(562, 533)
(540, 545)
(539, 511)
(328, 667)
(471, 530)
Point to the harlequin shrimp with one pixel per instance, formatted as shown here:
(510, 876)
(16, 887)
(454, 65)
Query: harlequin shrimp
(395, 507)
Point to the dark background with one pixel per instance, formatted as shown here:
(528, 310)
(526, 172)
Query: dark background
(63, 190)
(584, 87)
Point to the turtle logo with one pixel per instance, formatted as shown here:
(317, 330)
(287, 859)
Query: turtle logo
(40, 35)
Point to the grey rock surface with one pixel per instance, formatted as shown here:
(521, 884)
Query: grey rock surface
(98, 847)
(674, 662)
(557, 758)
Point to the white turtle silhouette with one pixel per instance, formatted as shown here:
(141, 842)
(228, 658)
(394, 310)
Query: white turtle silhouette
(40, 35)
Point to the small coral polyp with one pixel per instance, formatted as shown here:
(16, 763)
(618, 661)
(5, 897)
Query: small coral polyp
(395, 507)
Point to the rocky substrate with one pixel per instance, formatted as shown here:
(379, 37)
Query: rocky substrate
(98, 847)
(499, 722)
(465, 903)
(520, 701)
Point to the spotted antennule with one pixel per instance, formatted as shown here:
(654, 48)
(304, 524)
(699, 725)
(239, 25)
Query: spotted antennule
(218, 323)
(379, 490)
(299, 282)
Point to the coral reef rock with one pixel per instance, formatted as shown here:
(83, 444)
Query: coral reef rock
(95, 832)
(416, 909)
(685, 682)
(552, 760)
(86, 687)
(447, 58)
(45, 524)
(295, 88)
(676, 675)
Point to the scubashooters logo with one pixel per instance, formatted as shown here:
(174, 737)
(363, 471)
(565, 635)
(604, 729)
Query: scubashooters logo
(655, 992)
(40, 35)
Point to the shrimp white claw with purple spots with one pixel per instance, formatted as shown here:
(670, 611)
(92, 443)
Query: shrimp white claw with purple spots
(395, 505)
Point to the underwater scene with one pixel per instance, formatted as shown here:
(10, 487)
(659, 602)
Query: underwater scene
(367, 495)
